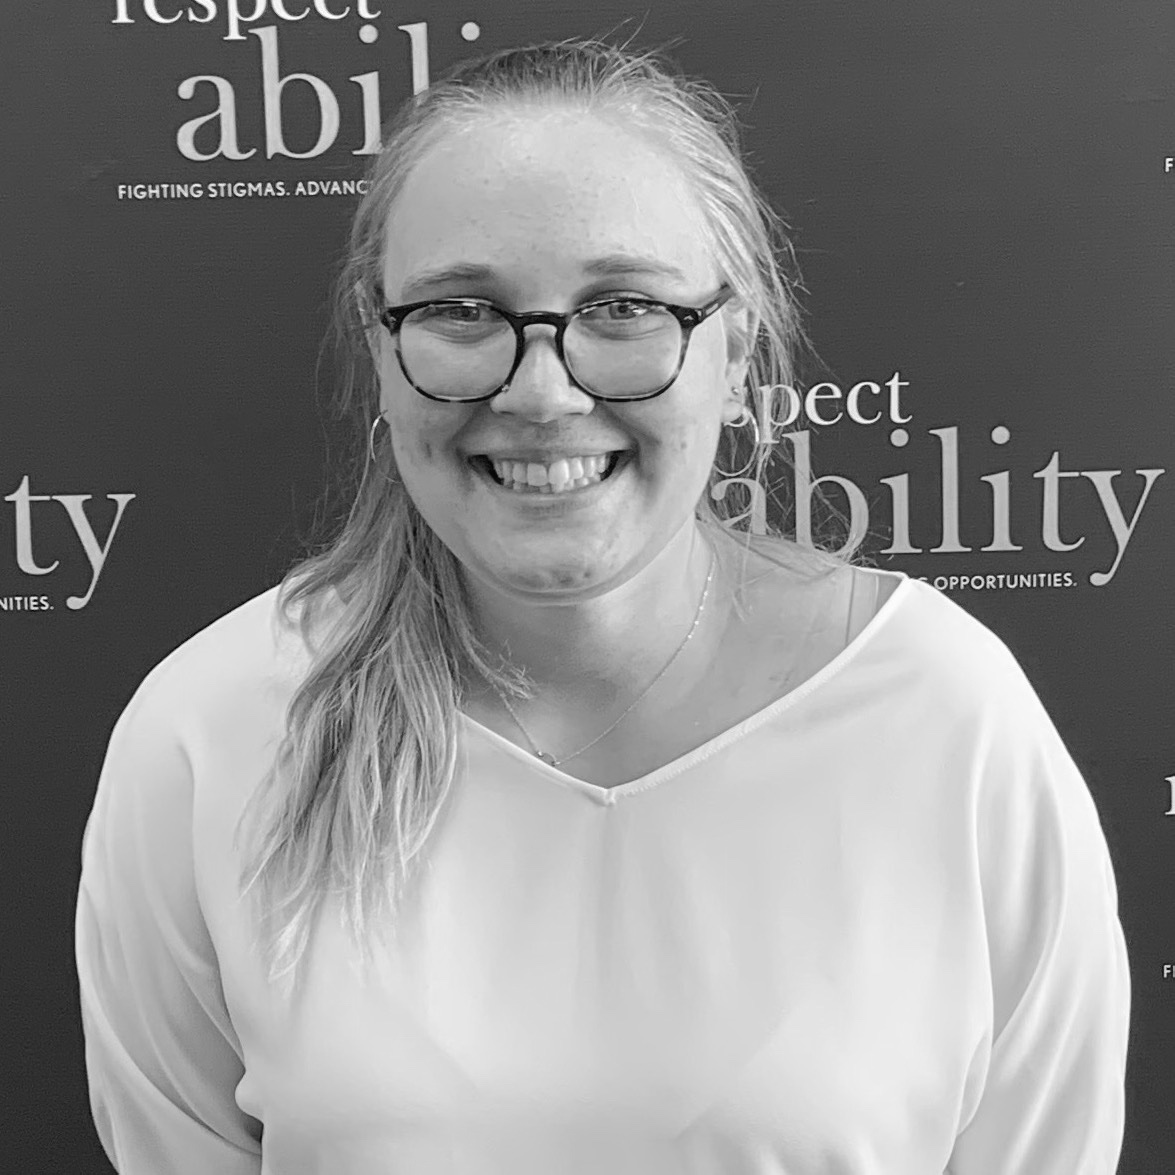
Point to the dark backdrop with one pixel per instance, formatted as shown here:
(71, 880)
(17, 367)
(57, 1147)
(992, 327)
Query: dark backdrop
(982, 209)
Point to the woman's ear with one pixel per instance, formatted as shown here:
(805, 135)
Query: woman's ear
(364, 312)
(733, 403)
(742, 332)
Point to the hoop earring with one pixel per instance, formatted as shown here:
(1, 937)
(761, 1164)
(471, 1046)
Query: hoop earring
(371, 450)
(745, 417)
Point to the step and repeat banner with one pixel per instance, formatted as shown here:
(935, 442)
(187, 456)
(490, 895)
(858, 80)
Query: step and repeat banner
(982, 199)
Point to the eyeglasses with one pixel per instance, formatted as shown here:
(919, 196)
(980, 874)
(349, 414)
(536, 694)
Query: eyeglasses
(462, 350)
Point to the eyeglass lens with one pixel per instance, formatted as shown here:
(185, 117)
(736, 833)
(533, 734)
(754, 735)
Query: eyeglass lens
(616, 349)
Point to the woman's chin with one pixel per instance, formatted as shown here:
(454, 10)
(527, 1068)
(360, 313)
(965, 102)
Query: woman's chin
(565, 582)
(551, 576)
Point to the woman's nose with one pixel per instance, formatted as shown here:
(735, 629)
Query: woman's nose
(542, 388)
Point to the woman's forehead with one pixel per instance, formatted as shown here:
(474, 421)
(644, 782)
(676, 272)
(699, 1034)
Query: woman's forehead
(551, 188)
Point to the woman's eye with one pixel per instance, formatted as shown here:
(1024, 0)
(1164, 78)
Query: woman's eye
(629, 309)
(463, 313)
(465, 321)
(620, 310)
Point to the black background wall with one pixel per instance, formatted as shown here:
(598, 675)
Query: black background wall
(983, 201)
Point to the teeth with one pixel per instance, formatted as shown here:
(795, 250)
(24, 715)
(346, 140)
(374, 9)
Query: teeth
(564, 474)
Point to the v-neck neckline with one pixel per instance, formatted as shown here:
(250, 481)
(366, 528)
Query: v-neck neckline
(642, 783)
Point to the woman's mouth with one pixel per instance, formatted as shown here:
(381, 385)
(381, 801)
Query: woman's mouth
(560, 476)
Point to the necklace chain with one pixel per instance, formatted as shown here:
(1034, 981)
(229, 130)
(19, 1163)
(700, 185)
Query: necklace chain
(550, 759)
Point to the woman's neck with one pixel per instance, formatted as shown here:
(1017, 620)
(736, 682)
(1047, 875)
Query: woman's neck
(591, 651)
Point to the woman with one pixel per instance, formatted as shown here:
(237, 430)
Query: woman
(555, 826)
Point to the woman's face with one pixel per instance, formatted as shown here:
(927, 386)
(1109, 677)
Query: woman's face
(538, 202)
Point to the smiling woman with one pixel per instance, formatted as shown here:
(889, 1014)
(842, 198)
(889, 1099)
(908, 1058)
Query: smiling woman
(547, 820)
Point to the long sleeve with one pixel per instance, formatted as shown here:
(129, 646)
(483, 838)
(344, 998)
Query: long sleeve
(1052, 1072)
(162, 1057)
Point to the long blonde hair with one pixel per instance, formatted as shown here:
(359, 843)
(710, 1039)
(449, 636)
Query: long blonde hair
(370, 746)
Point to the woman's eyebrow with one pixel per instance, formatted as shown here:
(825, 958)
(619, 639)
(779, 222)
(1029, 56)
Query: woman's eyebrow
(610, 265)
(616, 264)
(461, 271)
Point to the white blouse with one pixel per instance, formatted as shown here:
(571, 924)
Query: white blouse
(871, 930)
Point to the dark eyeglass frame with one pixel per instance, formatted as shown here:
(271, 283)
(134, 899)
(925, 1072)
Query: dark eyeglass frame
(689, 317)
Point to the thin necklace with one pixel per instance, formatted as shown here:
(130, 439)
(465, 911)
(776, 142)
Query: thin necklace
(549, 758)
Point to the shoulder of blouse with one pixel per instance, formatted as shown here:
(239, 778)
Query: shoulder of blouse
(245, 650)
(961, 666)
